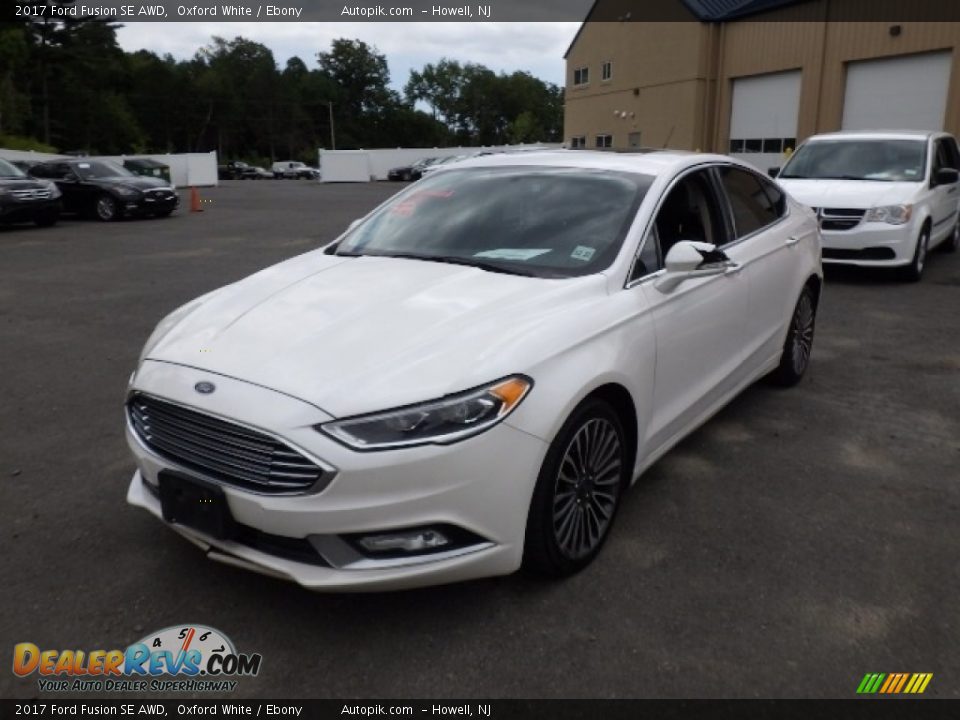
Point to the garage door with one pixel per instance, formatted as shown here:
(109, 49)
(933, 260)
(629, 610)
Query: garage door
(763, 119)
(908, 93)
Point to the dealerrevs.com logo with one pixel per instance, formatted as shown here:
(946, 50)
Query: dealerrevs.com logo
(187, 658)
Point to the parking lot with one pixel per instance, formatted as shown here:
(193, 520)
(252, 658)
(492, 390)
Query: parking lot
(798, 540)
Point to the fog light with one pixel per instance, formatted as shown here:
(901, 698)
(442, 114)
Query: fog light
(410, 541)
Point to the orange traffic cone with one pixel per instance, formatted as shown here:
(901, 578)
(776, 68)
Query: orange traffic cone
(195, 200)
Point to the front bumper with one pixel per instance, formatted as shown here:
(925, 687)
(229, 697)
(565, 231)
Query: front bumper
(148, 204)
(482, 485)
(871, 245)
(27, 210)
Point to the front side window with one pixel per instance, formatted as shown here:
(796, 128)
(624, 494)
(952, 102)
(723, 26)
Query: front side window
(752, 207)
(581, 76)
(690, 212)
(527, 220)
(859, 159)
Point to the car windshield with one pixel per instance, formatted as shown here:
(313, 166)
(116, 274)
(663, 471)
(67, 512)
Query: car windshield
(861, 159)
(92, 169)
(9, 170)
(539, 221)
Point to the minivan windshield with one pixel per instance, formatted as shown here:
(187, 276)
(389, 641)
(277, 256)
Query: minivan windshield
(538, 221)
(883, 160)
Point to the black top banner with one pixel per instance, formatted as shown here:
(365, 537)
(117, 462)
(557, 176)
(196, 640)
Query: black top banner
(865, 709)
(130, 11)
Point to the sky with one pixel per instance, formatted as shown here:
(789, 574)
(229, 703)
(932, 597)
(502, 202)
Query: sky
(536, 48)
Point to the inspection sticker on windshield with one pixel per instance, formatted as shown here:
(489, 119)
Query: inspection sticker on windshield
(582, 252)
(512, 253)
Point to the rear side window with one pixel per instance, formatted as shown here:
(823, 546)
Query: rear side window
(752, 208)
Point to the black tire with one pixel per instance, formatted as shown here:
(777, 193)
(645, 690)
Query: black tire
(576, 498)
(953, 242)
(46, 219)
(799, 343)
(914, 271)
(106, 208)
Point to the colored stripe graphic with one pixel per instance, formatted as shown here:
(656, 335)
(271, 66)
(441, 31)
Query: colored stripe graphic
(894, 683)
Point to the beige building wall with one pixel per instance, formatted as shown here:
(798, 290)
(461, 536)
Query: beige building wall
(675, 80)
(658, 81)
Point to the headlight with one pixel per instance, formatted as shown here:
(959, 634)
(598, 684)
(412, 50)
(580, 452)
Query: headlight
(440, 422)
(890, 214)
(126, 191)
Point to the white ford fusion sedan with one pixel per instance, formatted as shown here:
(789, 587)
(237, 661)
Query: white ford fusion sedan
(469, 379)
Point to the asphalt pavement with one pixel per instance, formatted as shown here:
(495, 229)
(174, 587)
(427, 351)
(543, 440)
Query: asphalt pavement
(798, 540)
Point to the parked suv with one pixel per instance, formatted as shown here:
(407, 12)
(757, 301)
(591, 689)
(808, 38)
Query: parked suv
(294, 169)
(883, 198)
(24, 199)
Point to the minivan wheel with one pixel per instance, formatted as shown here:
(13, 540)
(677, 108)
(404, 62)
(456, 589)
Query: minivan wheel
(578, 491)
(799, 343)
(914, 271)
(107, 208)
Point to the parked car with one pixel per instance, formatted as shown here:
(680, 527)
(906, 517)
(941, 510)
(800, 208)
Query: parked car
(262, 173)
(441, 162)
(148, 167)
(414, 171)
(294, 169)
(105, 190)
(25, 199)
(237, 170)
(883, 198)
(534, 332)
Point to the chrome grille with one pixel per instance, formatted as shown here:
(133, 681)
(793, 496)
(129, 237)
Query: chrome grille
(31, 194)
(231, 453)
(839, 218)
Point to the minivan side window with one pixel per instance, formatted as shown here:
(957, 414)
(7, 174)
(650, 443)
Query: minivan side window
(751, 206)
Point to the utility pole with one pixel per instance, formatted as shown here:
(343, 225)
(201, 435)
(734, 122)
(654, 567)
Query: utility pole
(333, 140)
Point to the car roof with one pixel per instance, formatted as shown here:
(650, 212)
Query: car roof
(651, 163)
(878, 135)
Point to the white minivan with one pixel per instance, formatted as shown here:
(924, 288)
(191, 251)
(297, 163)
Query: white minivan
(884, 198)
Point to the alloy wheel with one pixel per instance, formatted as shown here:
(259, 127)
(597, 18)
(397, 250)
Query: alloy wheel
(803, 319)
(587, 488)
(106, 207)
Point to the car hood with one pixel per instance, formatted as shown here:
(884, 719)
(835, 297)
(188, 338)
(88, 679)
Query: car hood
(355, 335)
(861, 194)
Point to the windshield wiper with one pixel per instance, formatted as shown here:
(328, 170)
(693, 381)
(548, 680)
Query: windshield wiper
(456, 260)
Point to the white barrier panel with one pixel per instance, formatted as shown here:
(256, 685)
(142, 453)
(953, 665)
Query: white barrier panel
(345, 166)
(381, 160)
(186, 169)
(29, 155)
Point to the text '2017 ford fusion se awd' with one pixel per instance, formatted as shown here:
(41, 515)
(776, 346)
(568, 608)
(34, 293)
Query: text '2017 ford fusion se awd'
(470, 378)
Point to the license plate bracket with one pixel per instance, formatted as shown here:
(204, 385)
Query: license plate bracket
(195, 504)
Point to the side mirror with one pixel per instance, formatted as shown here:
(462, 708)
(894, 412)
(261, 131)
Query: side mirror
(689, 259)
(946, 176)
(773, 172)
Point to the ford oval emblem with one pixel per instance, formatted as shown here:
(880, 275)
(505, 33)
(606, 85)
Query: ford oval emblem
(204, 388)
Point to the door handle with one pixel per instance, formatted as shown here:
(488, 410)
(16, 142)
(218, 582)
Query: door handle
(792, 240)
(733, 268)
